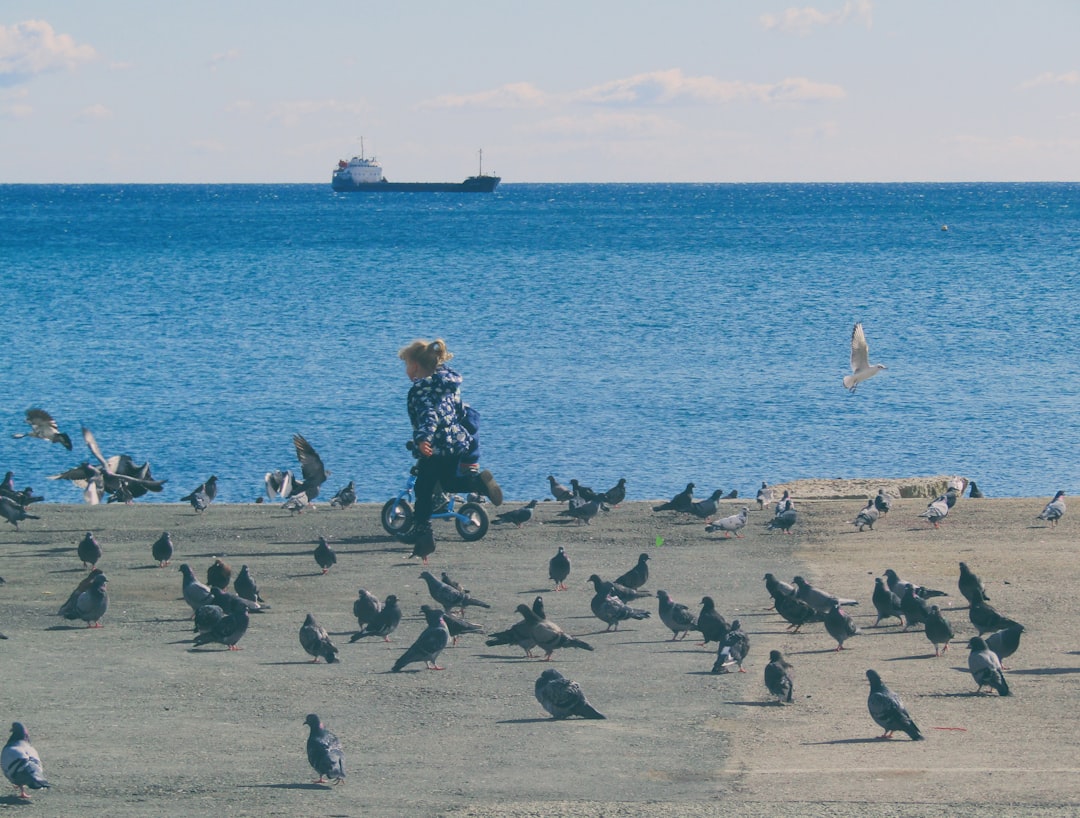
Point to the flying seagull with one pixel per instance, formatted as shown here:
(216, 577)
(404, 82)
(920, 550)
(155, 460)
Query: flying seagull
(861, 368)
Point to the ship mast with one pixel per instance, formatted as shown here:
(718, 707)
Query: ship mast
(481, 162)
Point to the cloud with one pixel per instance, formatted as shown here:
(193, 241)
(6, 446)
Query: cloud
(1050, 78)
(804, 20)
(604, 123)
(95, 112)
(293, 112)
(512, 95)
(30, 48)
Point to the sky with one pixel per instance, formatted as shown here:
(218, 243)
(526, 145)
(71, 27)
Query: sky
(220, 91)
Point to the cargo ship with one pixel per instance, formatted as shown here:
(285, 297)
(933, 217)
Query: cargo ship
(365, 175)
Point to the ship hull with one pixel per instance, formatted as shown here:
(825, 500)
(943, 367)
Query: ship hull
(474, 184)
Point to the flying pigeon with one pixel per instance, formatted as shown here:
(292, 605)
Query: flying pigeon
(861, 368)
(936, 511)
(448, 596)
(898, 586)
(14, 513)
(1054, 510)
(21, 762)
(914, 608)
(195, 593)
(882, 502)
(219, 574)
(548, 636)
(712, 626)
(886, 603)
(324, 555)
(517, 516)
(365, 607)
(638, 575)
(324, 752)
(938, 630)
(311, 467)
(162, 549)
(89, 551)
(676, 616)
(44, 427)
(559, 569)
(316, 641)
(680, 502)
(1005, 641)
(971, 587)
(118, 476)
(202, 496)
(428, 645)
(820, 601)
(521, 632)
(985, 667)
(730, 525)
(562, 697)
(278, 484)
(229, 629)
(777, 679)
(732, 650)
(245, 586)
(560, 492)
(616, 494)
(382, 622)
(23, 498)
(887, 710)
(840, 625)
(345, 497)
(867, 516)
(88, 602)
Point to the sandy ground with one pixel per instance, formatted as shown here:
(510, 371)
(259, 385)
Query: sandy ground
(130, 721)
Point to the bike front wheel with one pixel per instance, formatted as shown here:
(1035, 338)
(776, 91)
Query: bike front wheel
(473, 523)
(396, 516)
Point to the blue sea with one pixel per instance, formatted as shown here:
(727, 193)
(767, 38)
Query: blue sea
(662, 333)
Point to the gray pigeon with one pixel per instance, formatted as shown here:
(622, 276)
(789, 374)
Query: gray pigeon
(712, 626)
(986, 619)
(1054, 510)
(914, 608)
(897, 586)
(796, 612)
(562, 697)
(784, 519)
(14, 513)
(324, 555)
(229, 630)
(345, 497)
(549, 637)
(730, 525)
(520, 633)
(617, 589)
(680, 502)
(311, 468)
(882, 502)
(89, 551)
(88, 605)
(970, 585)
(365, 607)
(611, 610)
(324, 752)
(1005, 641)
(706, 508)
(616, 494)
(778, 588)
(676, 616)
(985, 667)
(195, 593)
(21, 762)
(732, 650)
(448, 596)
(585, 512)
(936, 511)
(840, 625)
(820, 601)
(560, 492)
(517, 516)
(316, 641)
(938, 630)
(867, 516)
(456, 625)
(246, 587)
(886, 603)
(381, 623)
(428, 645)
(559, 569)
(162, 549)
(888, 711)
(636, 576)
(777, 679)
(207, 618)
(203, 496)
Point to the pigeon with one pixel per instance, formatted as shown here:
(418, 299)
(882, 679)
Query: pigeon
(562, 697)
(1005, 641)
(21, 763)
(88, 603)
(278, 484)
(585, 512)
(423, 542)
(448, 596)
(820, 601)
(517, 516)
(888, 711)
(898, 586)
(882, 502)
(195, 593)
(207, 617)
(549, 637)
(203, 496)
(840, 625)
(245, 586)
(730, 525)
(731, 495)
(974, 492)
(938, 630)
(764, 495)
(162, 549)
(971, 586)
(345, 497)
(316, 641)
(118, 476)
(784, 520)
(14, 513)
(636, 576)
(861, 368)
(560, 492)
(1054, 510)
(520, 633)
(89, 551)
(381, 623)
(706, 508)
(985, 667)
(777, 679)
(324, 752)
(936, 511)
(617, 589)
(778, 588)
(676, 616)
(914, 608)
(311, 467)
(366, 607)
(42, 426)
(886, 603)
(866, 517)
(22, 498)
(559, 569)
(219, 574)
(986, 619)
(783, 503)
(428, 645)
(796, 612)
(680, 502)
(324, 555)
(732, 650)
(453, 583)
(456, 625)
(611, 610)
(952, 494)
(227, 600)
(616, 494)
(228, 631)
(712, 626)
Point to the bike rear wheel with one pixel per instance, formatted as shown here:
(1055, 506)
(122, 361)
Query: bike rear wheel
(396, 516)
(475, 526)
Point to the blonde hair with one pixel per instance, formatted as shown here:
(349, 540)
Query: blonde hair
(429, 354)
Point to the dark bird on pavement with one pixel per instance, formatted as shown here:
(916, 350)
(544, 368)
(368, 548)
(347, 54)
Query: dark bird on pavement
(986, 619)
(44, 427)
(897, 586)
(520, 633)
(324, 555)
(914, 608)
(784, 520)
(21, 762)
(229, 629)
(228, 600)
(88, 601)
(777, 679)
(680, 502)
(382, 622)
(636, 576)
(428, 645)
(559, 569)
(882, 502)
(219, 574)
(974, 492)
(365, 607)
(448, 596)
(207, 617)
(616, 494)
(162, 549)
(562, 697)
(14, 513)
(324, 752)
(548, 636)
(938, 630)
(712, 626)
(1005, 641)
(345, 497)
(778, 588)
(611, 610)
(517, 516)
(456, 625)
(970, 585)
(1054, 510)
(886, 603)
(316, 641)
(705, 509)
(195, 593)
(560, 492)
(796, 612)
(679, 618)
(866, 517)
(732, 650)
(985, 667)
(821, 601)
(840, 625)
(202, 496)
(583, 492)
(22, 498)
(453, 583)
(585, 512)
(89, 551)
(888, 711)
(617, 589)
(311, 467)
(246, 587)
